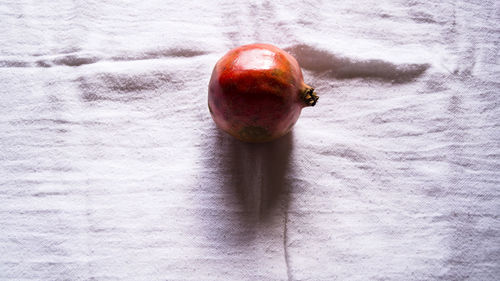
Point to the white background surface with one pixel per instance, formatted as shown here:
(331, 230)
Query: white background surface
(112, 169)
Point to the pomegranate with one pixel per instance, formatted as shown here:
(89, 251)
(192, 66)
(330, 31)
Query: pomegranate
(256, 93)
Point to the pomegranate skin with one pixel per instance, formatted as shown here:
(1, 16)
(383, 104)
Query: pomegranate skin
(256, 93)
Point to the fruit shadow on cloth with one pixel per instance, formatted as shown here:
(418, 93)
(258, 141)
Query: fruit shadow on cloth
(257, 174)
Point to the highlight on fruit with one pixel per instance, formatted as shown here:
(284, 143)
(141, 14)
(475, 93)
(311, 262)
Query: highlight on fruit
(256, 93)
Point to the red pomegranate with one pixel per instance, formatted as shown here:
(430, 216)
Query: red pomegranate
(256, 93)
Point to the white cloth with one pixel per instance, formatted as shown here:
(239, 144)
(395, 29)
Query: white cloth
(112, 169)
